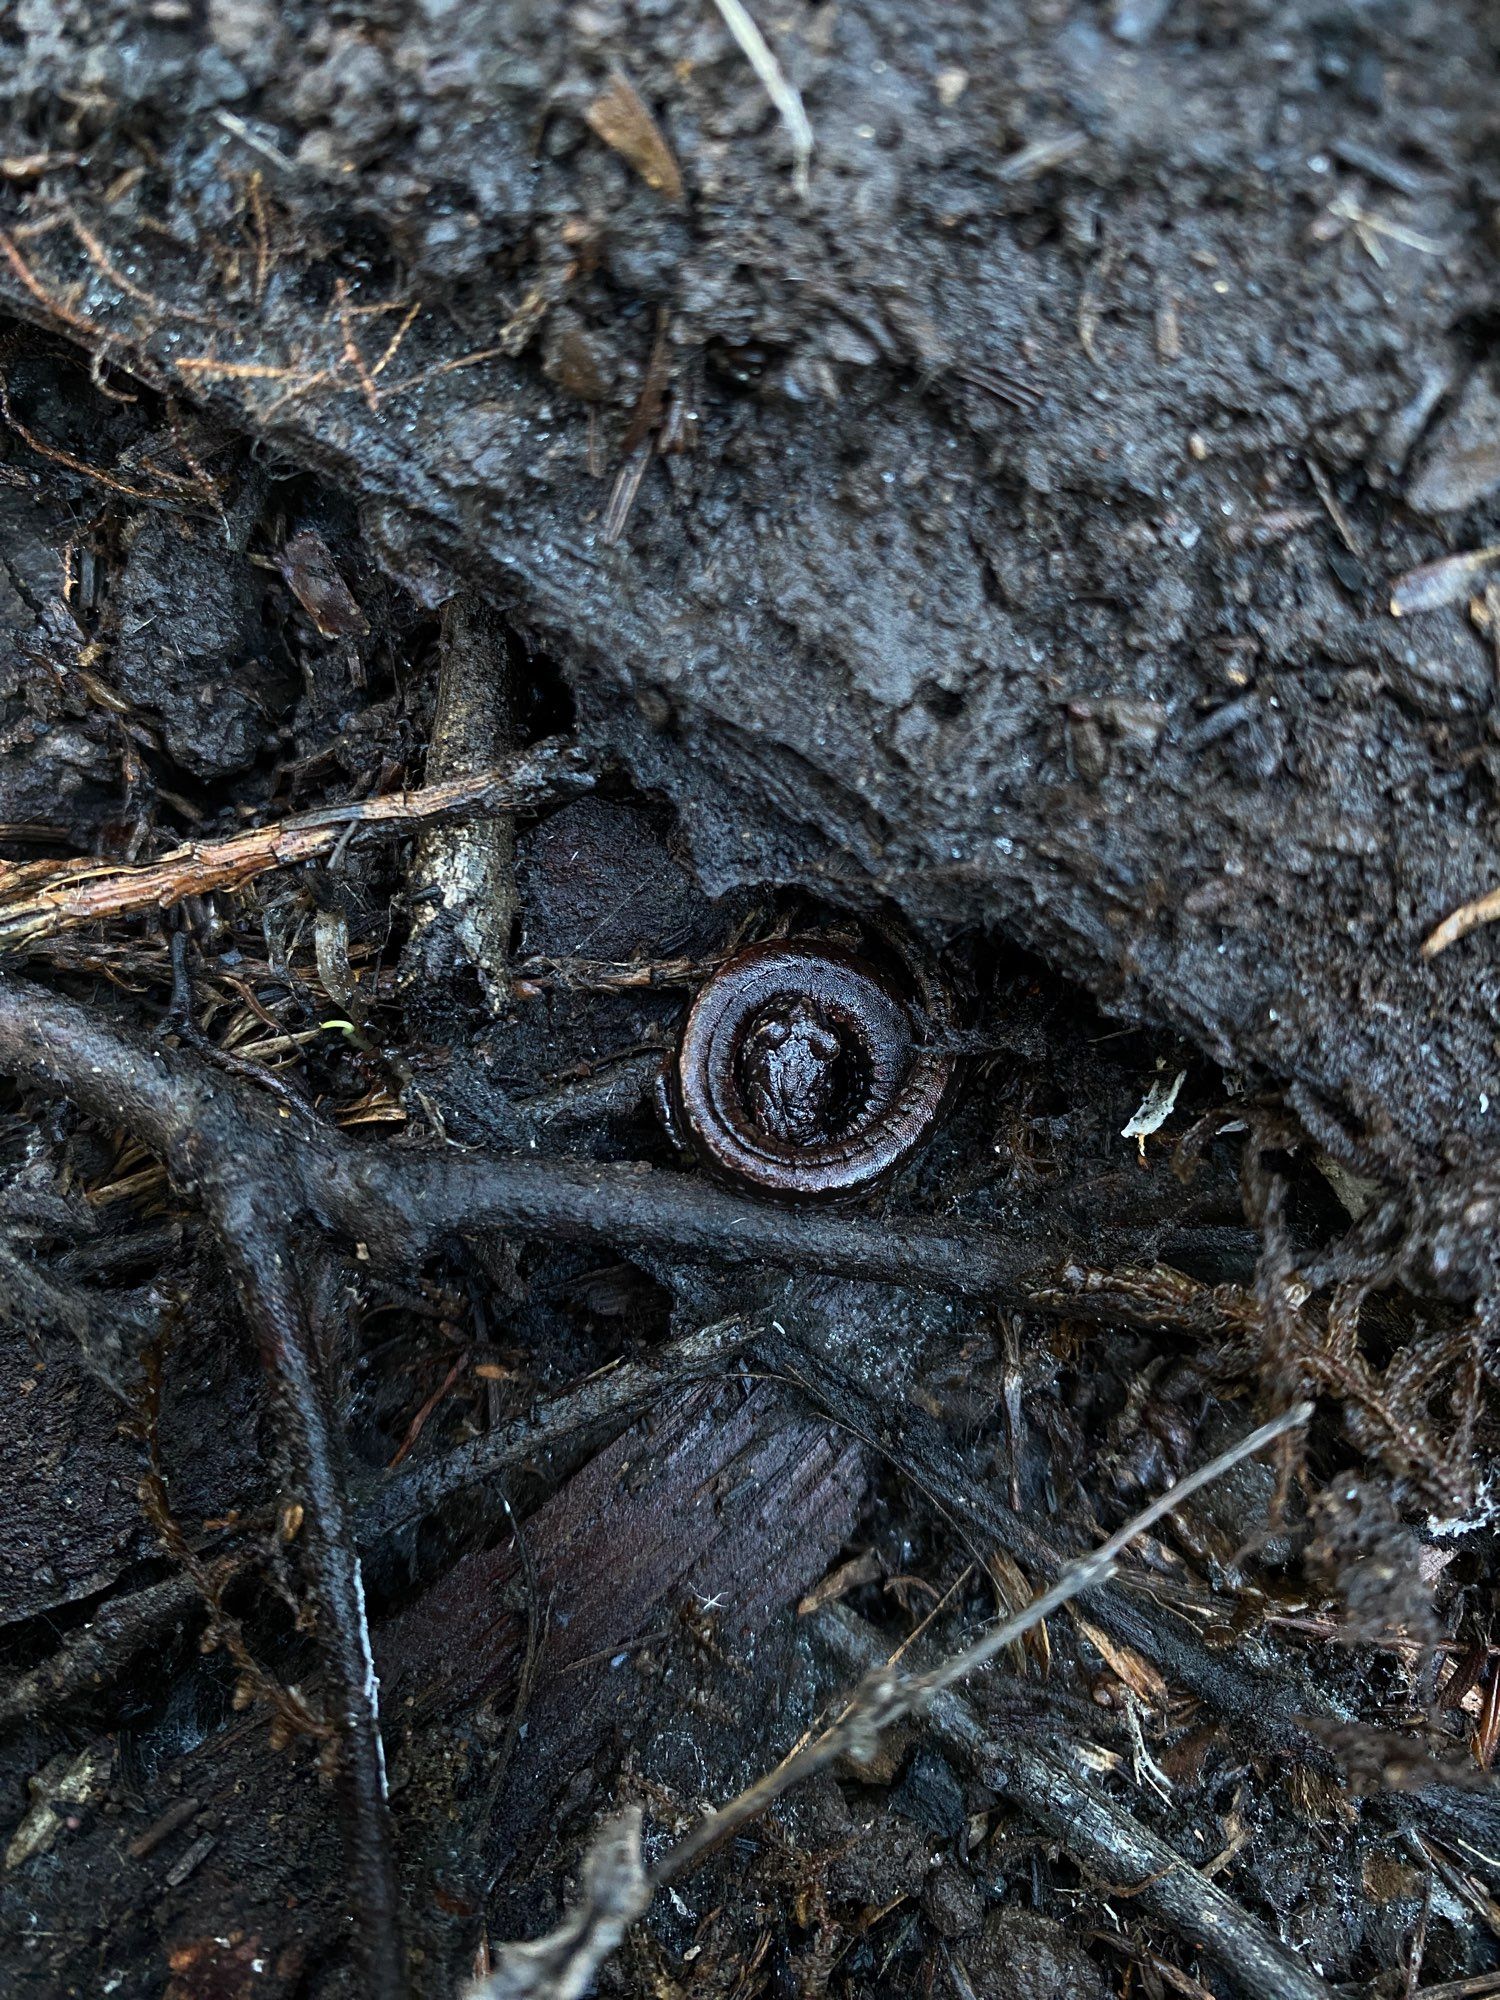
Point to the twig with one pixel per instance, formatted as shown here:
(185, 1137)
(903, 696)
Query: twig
(351, 353)
(1269, 1711)
(393, 346)
(418, 1423)
(562, 1965)
(885, 1697)
(39, 899)
(89, 1659)
(779, 87)
(622, 494)
(515, 1724)
(248, 136)
(1417, 1944)
(594, 975)
(616, 1392)
(1093, 1829)
(1343, 527)
(462, 882)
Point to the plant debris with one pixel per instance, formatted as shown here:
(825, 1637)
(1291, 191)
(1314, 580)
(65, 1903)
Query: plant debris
(496, 530)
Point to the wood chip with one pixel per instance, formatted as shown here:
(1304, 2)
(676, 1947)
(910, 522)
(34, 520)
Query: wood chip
(312, 576)
(1154, 1110)
(200, 1850)
(176, 1816)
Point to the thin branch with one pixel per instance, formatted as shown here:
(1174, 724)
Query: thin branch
(887, 1696)
(615, 1392)
(89, 1659)
(38, 899)
(562, 1965)
(402, 1205)
(1266, 1710)
(1093, 1829)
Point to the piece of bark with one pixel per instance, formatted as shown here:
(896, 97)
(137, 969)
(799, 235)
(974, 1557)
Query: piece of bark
(738, 1500)
(724, 1508)
(656, 1518)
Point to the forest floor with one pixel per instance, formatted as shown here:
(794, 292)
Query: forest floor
(503, 508)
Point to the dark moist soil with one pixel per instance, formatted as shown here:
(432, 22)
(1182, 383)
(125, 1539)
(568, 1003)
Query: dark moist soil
(998, 535)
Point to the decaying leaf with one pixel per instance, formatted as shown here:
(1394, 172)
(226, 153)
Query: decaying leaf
(1153, 1111)
(312, 576)
(620, 117)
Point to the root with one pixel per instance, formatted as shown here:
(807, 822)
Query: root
(263, 1176)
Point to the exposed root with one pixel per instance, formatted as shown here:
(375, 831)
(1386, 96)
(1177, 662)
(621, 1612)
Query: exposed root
(261, 1253)
(399, 1208)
